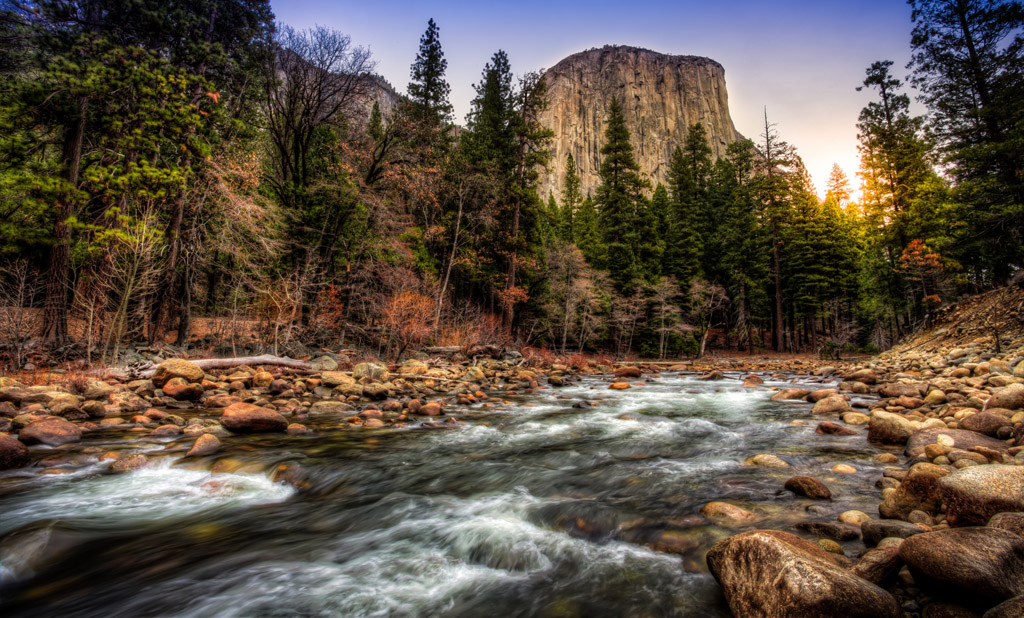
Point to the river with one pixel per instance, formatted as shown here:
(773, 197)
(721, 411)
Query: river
(532, 508)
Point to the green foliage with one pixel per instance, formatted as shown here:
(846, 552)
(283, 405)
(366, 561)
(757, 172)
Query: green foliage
(621, 205)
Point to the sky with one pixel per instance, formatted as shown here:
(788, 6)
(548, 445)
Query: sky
(800, 61)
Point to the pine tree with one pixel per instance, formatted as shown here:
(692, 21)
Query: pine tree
(683, 247)
(428, 89)
(588, 232)
(572, 200)
(617, 202)
(968, 63)
(773, 189)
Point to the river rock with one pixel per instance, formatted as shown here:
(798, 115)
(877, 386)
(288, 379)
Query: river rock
(323, 363)
(13, 454)
(328, 407)
(878, 565)
(957, 438)
(834, 404)
(988, 423)
(246, 418)
(628, 372)
(1014, 522)
(866, 376)
(371, 371)
(774, 574)
(129, 463)
(890, 428)
(336, 378)
(205, 444)
(220, 400)
(973, 495)
(875, 530)
(1014, 608)
(262, 379)
(766, 460)
(830, 530)
(51, 431)
(728, 515)
(978, 563)
(917, 492)
(179, 389)
(97, 390)
(834, 429)
(1010, 397)
(823, 393)
(176, 368)
(903, 389)
(790, 394)
(809, 487)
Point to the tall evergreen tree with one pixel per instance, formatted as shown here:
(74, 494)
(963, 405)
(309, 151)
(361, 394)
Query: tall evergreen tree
(572, 200)
(428, 90)
(968, 63)
(618, 202)
(775, 166)
(683, 248)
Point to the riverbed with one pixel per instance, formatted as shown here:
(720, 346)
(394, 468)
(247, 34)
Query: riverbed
(543, 505)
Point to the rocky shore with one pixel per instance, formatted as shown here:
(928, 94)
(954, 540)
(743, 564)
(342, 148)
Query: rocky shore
(947, 539)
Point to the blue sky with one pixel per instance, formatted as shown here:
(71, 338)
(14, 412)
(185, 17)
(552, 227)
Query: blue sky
(801, 60)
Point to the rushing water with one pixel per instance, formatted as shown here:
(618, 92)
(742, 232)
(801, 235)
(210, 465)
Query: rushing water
(532, 508)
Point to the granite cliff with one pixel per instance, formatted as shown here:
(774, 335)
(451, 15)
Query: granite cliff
(662, 95)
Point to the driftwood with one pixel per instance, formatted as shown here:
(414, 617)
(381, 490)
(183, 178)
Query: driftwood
(146, 370)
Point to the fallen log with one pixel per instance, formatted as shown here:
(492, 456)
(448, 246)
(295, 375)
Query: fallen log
(146, 370)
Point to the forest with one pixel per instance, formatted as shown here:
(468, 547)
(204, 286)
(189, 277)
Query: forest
(208, 178)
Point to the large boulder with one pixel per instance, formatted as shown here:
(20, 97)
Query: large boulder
(13, 454)
(917, 492)
(1010, 397)
(247, 418)
(988, 423)
(973, 495)
(774, 574)
(371, 371)
(50, 430)
(956, 438)
(176, 368)
(890, 428)
(983, 564)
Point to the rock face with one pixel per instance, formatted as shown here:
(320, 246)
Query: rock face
(662, 96)
(768, 573)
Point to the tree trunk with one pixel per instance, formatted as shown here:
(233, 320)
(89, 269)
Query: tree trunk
(55, 314)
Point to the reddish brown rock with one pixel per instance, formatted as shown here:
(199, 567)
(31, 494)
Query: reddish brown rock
(248, 418)
(206, 444)
(628, 372)
(52, 431)
(13, 454)
(809, 487)
(834, 429)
